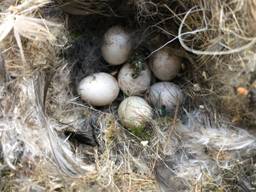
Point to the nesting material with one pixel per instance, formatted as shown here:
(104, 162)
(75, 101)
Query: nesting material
(86, 7)
(99, 89)
(165, 96)
(134, 112)
(116, 46)
(132, 84)
(164, 65)
(2, 69)
(205, 153)
(210, 150)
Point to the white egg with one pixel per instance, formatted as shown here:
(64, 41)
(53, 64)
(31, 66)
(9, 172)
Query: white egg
(164, 65)
(131, 83)
(116, 46)
(134, 112)
(165, 96)
(98, 89)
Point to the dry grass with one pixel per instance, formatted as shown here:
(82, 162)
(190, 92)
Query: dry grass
(225, 57)
(87, 7)
(222, 39)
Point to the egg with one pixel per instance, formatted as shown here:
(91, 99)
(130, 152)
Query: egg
(116, 46)
(164, 65)
(165, 96)
(98, 89)
(132, 82)
(134, 112)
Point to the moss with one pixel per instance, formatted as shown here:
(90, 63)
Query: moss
(212, 187)
(138, 61)
(142, 132)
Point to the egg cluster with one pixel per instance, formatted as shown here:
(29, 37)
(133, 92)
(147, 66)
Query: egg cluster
(101, 89)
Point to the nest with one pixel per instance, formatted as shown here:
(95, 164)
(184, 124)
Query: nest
(50, 140)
